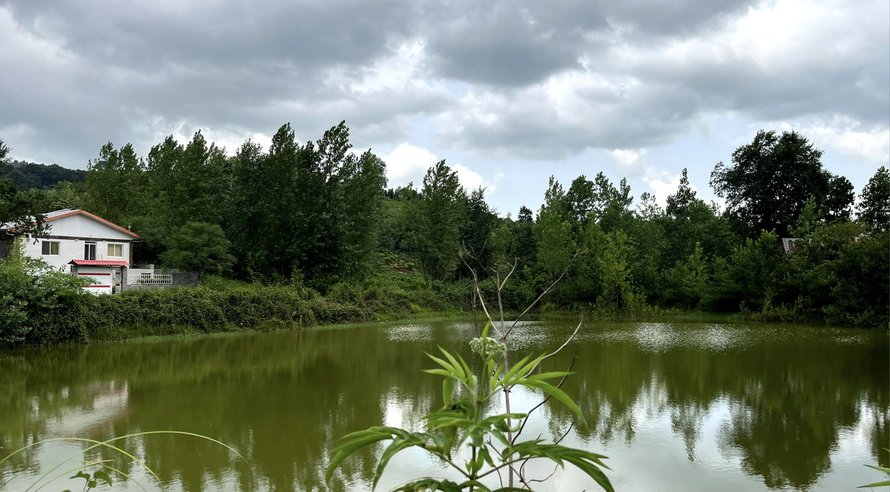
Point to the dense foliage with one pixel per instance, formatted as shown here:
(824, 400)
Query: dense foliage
(318, 215)
(25, 175)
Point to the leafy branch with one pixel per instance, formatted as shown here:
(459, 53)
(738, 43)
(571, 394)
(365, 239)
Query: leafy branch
(460, 433)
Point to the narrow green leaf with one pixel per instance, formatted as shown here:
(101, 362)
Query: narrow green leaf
(556, 393)
(447, 391)
(457, 365)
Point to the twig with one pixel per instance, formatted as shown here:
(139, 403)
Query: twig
(566, 342)
(479, 294)
(541, 403)
(546, 291)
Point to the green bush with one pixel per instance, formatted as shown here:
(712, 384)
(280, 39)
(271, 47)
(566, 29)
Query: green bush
(40, 306)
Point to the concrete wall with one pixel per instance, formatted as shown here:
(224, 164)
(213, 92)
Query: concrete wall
(180, 279)
(5, 246)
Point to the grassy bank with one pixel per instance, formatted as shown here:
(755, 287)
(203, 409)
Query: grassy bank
(230, 306)
(47, 308)
(51, 308)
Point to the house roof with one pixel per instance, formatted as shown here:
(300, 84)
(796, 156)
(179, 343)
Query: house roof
(68, 212)
(106, 263)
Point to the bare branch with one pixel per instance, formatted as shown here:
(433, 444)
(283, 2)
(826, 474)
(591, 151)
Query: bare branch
(542, 402)
(566, 433)
(566, 342)
(479, 294)
(512, 269)
(546, 291)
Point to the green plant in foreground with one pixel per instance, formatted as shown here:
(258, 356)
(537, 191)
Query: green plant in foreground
(882, 483)
(103, 469)
(460, 433)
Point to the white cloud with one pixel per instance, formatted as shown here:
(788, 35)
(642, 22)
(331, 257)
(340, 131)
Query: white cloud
(469, 179)
(407, 163)
(849, 137)
(661, 184)
(631, 160)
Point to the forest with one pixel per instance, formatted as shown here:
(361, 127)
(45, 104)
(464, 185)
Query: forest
(319, 217)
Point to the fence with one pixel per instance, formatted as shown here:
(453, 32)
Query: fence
(155, 279)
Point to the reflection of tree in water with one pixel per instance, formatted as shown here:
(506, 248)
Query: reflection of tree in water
(283, 398)
(686, 420)
(280, 399)
(788, 412)
(608, 380)
(790, 397)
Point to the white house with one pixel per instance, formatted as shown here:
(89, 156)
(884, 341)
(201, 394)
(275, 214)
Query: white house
(84, 244)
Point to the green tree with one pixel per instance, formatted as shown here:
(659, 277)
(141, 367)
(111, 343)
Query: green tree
(687, 281)
(441, 203)
(688, 221)
(749, 278)
(198, 247)
(553, 232)
(39, 305)
(113, 186)
(874, 205)
(19, 211)
(476, 227)
(363, 180)
(770, 181)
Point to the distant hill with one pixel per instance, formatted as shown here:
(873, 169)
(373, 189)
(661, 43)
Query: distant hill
(27, 175)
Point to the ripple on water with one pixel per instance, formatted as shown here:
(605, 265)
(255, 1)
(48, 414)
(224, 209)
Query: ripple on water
(655, 337)
(409, 333)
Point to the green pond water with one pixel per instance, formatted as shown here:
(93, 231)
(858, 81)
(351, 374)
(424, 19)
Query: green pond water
(675, 406)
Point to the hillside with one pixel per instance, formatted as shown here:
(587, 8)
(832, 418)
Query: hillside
(27, 175)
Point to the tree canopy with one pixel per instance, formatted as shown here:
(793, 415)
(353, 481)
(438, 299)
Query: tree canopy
(770, 180)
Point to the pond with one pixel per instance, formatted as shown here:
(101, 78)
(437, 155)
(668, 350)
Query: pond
(675, 406)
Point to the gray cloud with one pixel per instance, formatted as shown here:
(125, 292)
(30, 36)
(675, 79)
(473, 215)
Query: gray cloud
(524, 79)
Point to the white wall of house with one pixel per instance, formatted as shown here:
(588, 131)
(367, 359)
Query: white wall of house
(70, 235)
(84, 227)
(73, 249)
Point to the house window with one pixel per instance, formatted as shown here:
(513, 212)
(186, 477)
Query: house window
(50, 247)
(89, 251)
(115, 250)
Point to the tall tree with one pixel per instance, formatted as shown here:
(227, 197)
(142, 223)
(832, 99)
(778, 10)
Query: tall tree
(442, 199)
(363, 181)
(688, 221)
(18, 210)
(113, 186)
(874, 205)
(476, 225)
(770, 181)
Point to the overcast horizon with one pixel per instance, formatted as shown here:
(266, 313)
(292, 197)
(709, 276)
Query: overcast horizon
(508, 93)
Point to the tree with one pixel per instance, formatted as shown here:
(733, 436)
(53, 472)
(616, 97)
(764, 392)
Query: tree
(688, 221)
(476, 227)
(363, 180)
(17, 208)
(198, 247)
(770, 181)
(440, 211)
(874, 205)
(114, 184)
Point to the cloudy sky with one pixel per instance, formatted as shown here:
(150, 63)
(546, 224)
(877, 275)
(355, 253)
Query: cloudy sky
(509, 92)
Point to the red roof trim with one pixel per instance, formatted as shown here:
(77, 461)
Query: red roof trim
(108, 263)
(97, 219)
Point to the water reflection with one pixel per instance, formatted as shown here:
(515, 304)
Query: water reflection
(784, 407)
